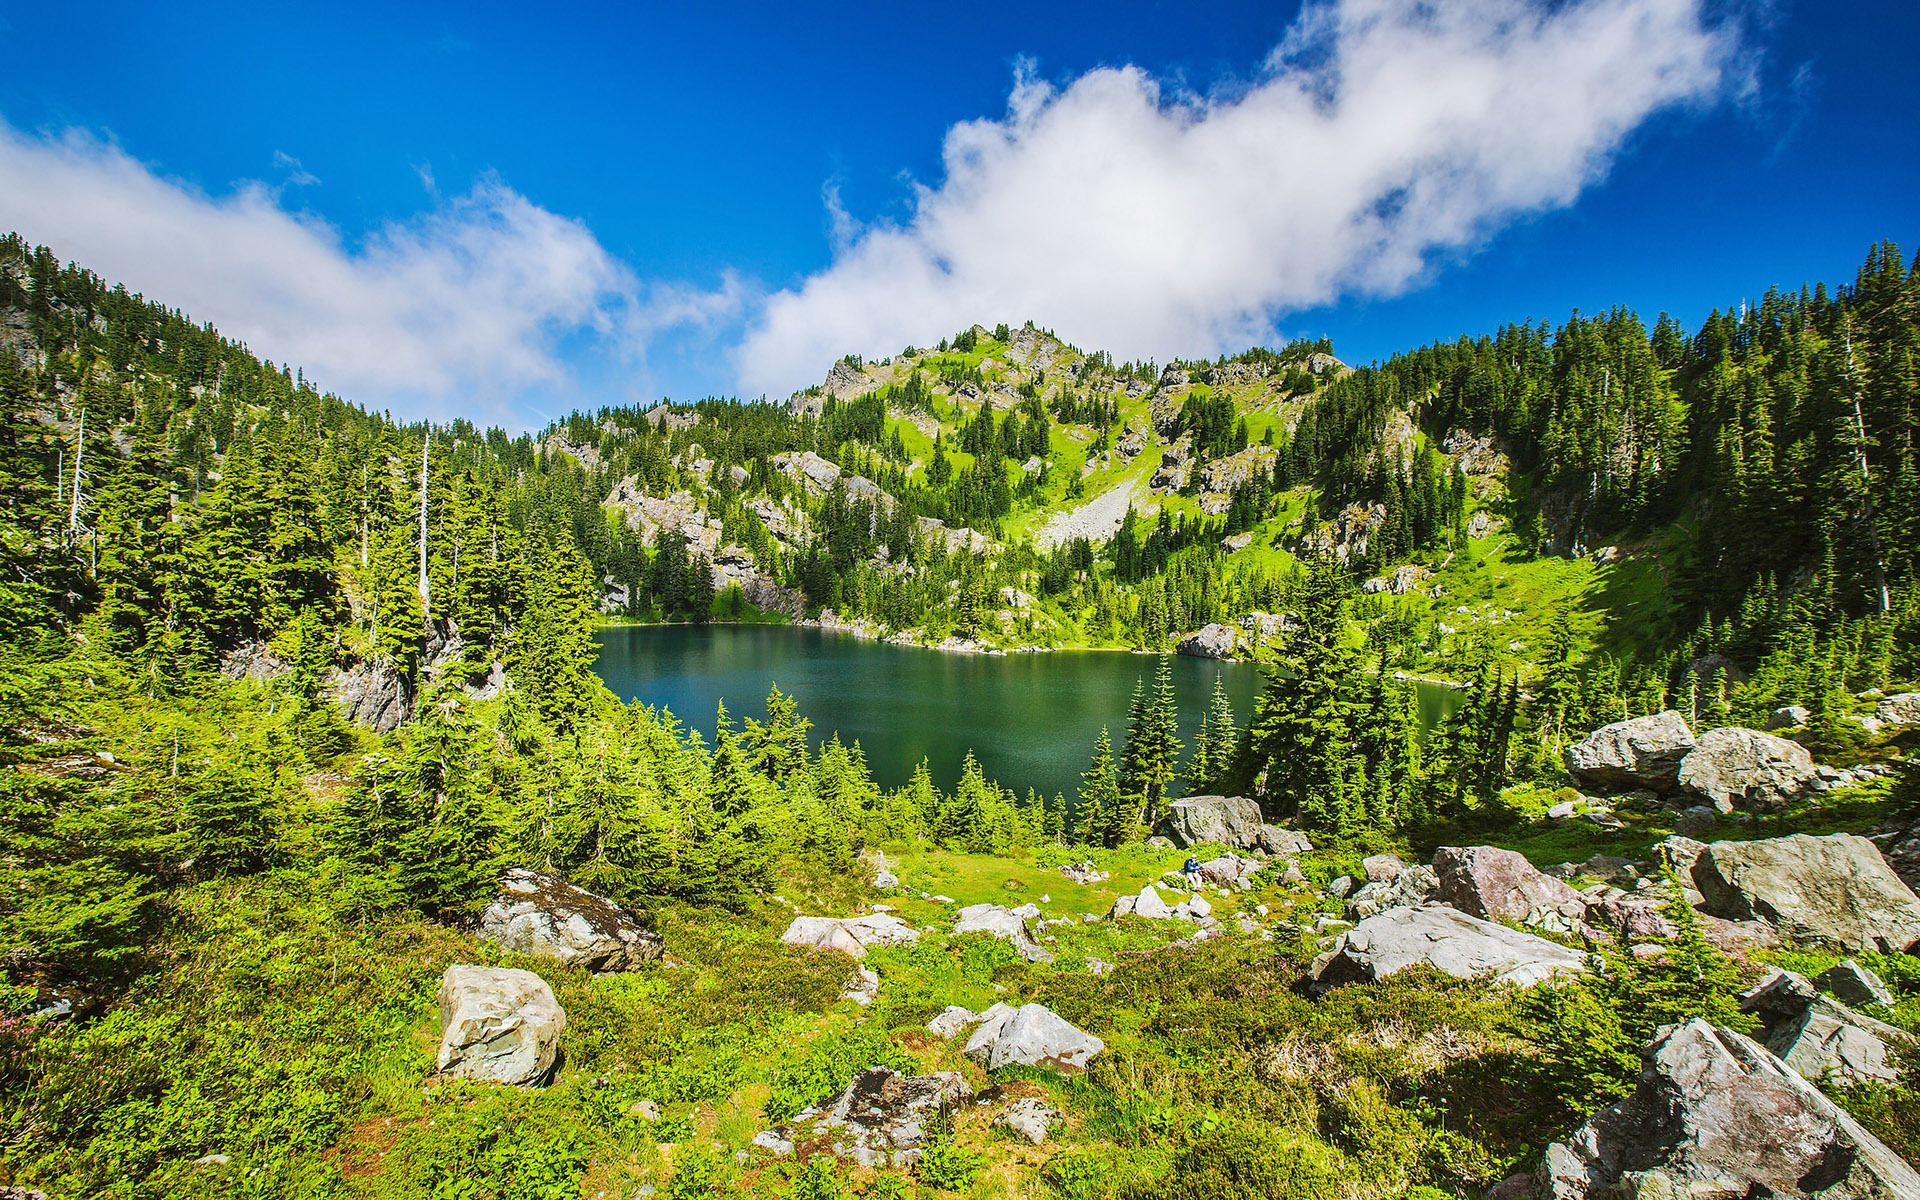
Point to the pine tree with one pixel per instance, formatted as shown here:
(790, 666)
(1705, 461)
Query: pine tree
(1096, 818)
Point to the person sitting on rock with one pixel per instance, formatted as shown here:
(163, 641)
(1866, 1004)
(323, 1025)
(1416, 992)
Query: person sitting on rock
(1192, 872)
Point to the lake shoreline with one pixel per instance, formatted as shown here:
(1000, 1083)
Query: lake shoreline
(1029, 719)
(949, 645)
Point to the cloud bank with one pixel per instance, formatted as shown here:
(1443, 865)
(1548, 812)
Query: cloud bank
(1380, 137)
(1379, 134)
(455, 313)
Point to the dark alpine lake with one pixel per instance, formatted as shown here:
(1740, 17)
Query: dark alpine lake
(1031, 719)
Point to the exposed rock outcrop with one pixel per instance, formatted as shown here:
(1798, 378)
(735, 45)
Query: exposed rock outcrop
(374, 695)
(1210, 641)
(882, 1119)
(1415, 885)
(544, 915)
(1834, 889)
(1903, 709)
(1231, 821)
(1028, 1118)
(1644, 752)
(499, 1025)
(254, 662)
(1716, 1115)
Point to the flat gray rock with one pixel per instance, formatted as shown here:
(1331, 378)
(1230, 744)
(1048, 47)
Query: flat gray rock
(1029, 1118)
(1451, 941)
(882, 1119)
(849, 935)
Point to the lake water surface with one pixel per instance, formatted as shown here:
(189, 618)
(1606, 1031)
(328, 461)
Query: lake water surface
(1030, 719)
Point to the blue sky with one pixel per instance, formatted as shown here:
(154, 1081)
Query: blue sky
(507, 213)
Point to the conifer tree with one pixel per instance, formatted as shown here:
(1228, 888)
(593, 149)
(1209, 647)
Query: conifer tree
(1095, 819)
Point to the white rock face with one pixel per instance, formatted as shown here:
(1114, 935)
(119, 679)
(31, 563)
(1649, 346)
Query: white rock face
(544, 915)
(499, 1025)
(849, 935)
(1032, 1035)
(1453, 942)
(1005, 924)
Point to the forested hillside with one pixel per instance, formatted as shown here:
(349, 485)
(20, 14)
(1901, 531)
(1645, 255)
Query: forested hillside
(286, 687)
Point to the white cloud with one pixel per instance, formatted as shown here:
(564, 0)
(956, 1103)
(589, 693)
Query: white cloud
(459, 312)
(1379, 134)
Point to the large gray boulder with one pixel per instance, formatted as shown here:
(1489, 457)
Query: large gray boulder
(1231, 821)
(1903, 709)
(882, 1119)
(1644, 752)
(498, 1025)
(545, 916)
(1032, 1035)
(1833, 889)
(997, 921)
(1447, 939)
(1501, 885)
(1718, 1117)
(849, 935)
(1147, 904)
(1744, 768)
(1210, 641)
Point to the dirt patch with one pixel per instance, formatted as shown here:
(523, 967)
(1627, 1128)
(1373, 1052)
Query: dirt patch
(364, 1147)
